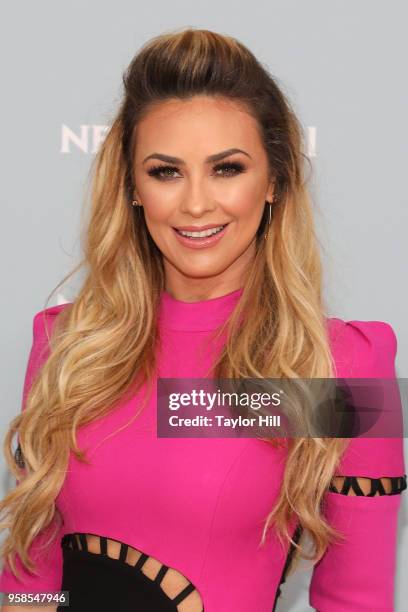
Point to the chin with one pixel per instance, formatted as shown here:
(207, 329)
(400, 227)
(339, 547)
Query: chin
(203, 271)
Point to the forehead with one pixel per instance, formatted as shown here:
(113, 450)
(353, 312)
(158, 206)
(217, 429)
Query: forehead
(199, 120)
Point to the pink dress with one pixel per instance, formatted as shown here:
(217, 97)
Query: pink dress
(199, 504)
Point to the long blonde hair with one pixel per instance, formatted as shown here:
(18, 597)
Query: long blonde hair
(103, 345)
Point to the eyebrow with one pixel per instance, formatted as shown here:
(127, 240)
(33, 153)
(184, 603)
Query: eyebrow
(211, 158)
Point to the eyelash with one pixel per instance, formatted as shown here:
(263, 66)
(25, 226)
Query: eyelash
(155, 171)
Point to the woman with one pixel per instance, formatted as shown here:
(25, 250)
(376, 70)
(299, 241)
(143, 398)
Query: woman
(204, 140)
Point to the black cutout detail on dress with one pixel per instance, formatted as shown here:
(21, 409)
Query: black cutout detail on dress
(98, 581)
(140, 562)
(84, 541)
(103, 543)
(398, 484)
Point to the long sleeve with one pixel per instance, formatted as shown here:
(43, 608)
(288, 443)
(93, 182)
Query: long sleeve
(358, 574)
(49, 560)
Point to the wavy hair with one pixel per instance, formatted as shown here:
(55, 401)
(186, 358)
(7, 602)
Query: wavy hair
(103, 345)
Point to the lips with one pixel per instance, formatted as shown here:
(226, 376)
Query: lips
(197, 235)
(198, 228)
(203, 241)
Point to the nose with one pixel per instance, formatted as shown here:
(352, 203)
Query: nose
(196, 201)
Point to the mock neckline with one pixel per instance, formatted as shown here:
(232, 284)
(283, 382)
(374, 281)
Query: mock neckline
(202, 315)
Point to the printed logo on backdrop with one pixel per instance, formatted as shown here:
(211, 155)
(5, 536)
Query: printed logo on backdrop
(85, 139)
(88, 138)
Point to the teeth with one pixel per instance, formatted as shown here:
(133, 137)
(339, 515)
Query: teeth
(204, 234)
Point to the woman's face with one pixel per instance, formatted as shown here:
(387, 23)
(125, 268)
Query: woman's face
(197, 190)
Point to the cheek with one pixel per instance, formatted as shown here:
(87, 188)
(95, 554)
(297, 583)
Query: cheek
(245, 213)
(243, 200)
(158, 201)
(157, 210)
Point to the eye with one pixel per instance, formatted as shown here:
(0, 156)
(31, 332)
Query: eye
(230, 168)
(162, 172)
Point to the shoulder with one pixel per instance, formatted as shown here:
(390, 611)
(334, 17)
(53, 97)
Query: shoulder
(367, 349)
(362, 348)
(42, 326)
(44, 320)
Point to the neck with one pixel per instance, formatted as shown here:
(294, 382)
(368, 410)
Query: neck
(197, 315)
(194, 289)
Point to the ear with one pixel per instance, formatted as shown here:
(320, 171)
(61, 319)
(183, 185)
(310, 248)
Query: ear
(136, 195)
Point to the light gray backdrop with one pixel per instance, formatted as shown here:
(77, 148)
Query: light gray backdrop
(343, 65)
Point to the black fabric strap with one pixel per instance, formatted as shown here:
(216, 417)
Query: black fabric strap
(84, 541)
(161, 573)
(104, 545)
(140, 562)
(123, 552)
(186, 591)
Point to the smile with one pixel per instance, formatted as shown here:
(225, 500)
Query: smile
(203, 234)
(201, 239)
